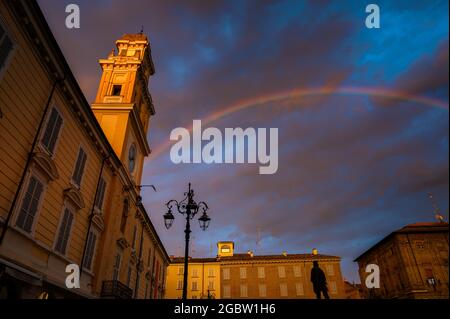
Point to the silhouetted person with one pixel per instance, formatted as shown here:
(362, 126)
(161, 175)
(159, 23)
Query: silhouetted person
(319, 281)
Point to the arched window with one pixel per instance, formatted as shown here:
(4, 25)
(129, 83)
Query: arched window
(123, 222)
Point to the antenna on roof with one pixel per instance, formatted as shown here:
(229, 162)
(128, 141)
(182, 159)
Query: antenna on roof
(193, 245)
(142, 29)
(258, 237)
(437, 213)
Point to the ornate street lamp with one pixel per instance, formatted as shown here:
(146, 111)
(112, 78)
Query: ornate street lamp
(189, 208)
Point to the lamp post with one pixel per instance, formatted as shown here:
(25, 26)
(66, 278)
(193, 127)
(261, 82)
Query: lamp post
(189, 208)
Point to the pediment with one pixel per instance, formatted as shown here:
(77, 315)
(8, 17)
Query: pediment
(45, 164)
(75, 197)
(122, 243)
(97, 221)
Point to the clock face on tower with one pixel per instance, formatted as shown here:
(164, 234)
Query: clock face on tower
(132, 157)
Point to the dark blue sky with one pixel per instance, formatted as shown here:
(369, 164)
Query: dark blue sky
(352, 168)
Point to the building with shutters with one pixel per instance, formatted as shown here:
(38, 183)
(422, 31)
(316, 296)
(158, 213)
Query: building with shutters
(203, 278)
(412, 261)
(70, 172)
(249, 276)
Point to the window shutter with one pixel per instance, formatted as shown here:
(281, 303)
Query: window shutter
(67, 231)
(6, 47)
(133, 243)
(79, 167)
(100, 194)
(2, 33)
(92, 238)
(26, 203)
(62, 229)
(30, 204)
(116, 267)
(52, 130)
(55, 134)
(129, 276)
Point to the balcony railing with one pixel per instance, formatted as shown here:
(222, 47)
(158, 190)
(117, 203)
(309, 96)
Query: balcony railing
(115, 289)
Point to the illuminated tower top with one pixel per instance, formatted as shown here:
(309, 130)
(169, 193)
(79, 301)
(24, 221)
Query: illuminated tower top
(225, 248)
(123, 105)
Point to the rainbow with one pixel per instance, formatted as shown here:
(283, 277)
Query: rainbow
(304, 92)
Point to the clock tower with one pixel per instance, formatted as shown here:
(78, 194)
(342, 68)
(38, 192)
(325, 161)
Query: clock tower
(123, 106)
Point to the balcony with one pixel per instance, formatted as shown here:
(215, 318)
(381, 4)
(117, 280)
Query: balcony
(114, 289)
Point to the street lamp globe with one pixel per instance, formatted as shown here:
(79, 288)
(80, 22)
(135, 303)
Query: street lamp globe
(204, 221)
(168, 219)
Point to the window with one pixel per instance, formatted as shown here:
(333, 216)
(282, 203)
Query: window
(125, 210)
(181, 271)
(243, 291)
(129, 275)
(133, 242)
(116, 89)
(116, 269)
(211, 272)
(261, 272)
(79, 167)
(149, 257)
(420, 244)
(226, 291)
(146, 290)
(211, 285)
(195, 272)
(333, 287)
(243, 272)
(30, 204)
(194, 285)
(6, 47)
(100, 194)
(262, 290)
(299, 289)
(90, 249)
(281, 272)
(330, 270)
(51, 132)
(297, 271)
(64, 231)
(180, 284)
(138, 282)
(226, 273)
(283, 290)
(225, 249)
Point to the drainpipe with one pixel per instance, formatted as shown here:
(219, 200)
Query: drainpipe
(29, 158)
(92, 213)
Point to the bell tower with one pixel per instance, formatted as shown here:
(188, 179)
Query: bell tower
(123, 106)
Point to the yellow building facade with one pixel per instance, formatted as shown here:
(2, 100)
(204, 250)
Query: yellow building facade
(203, 278)
(249, 276)
(70, 172)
